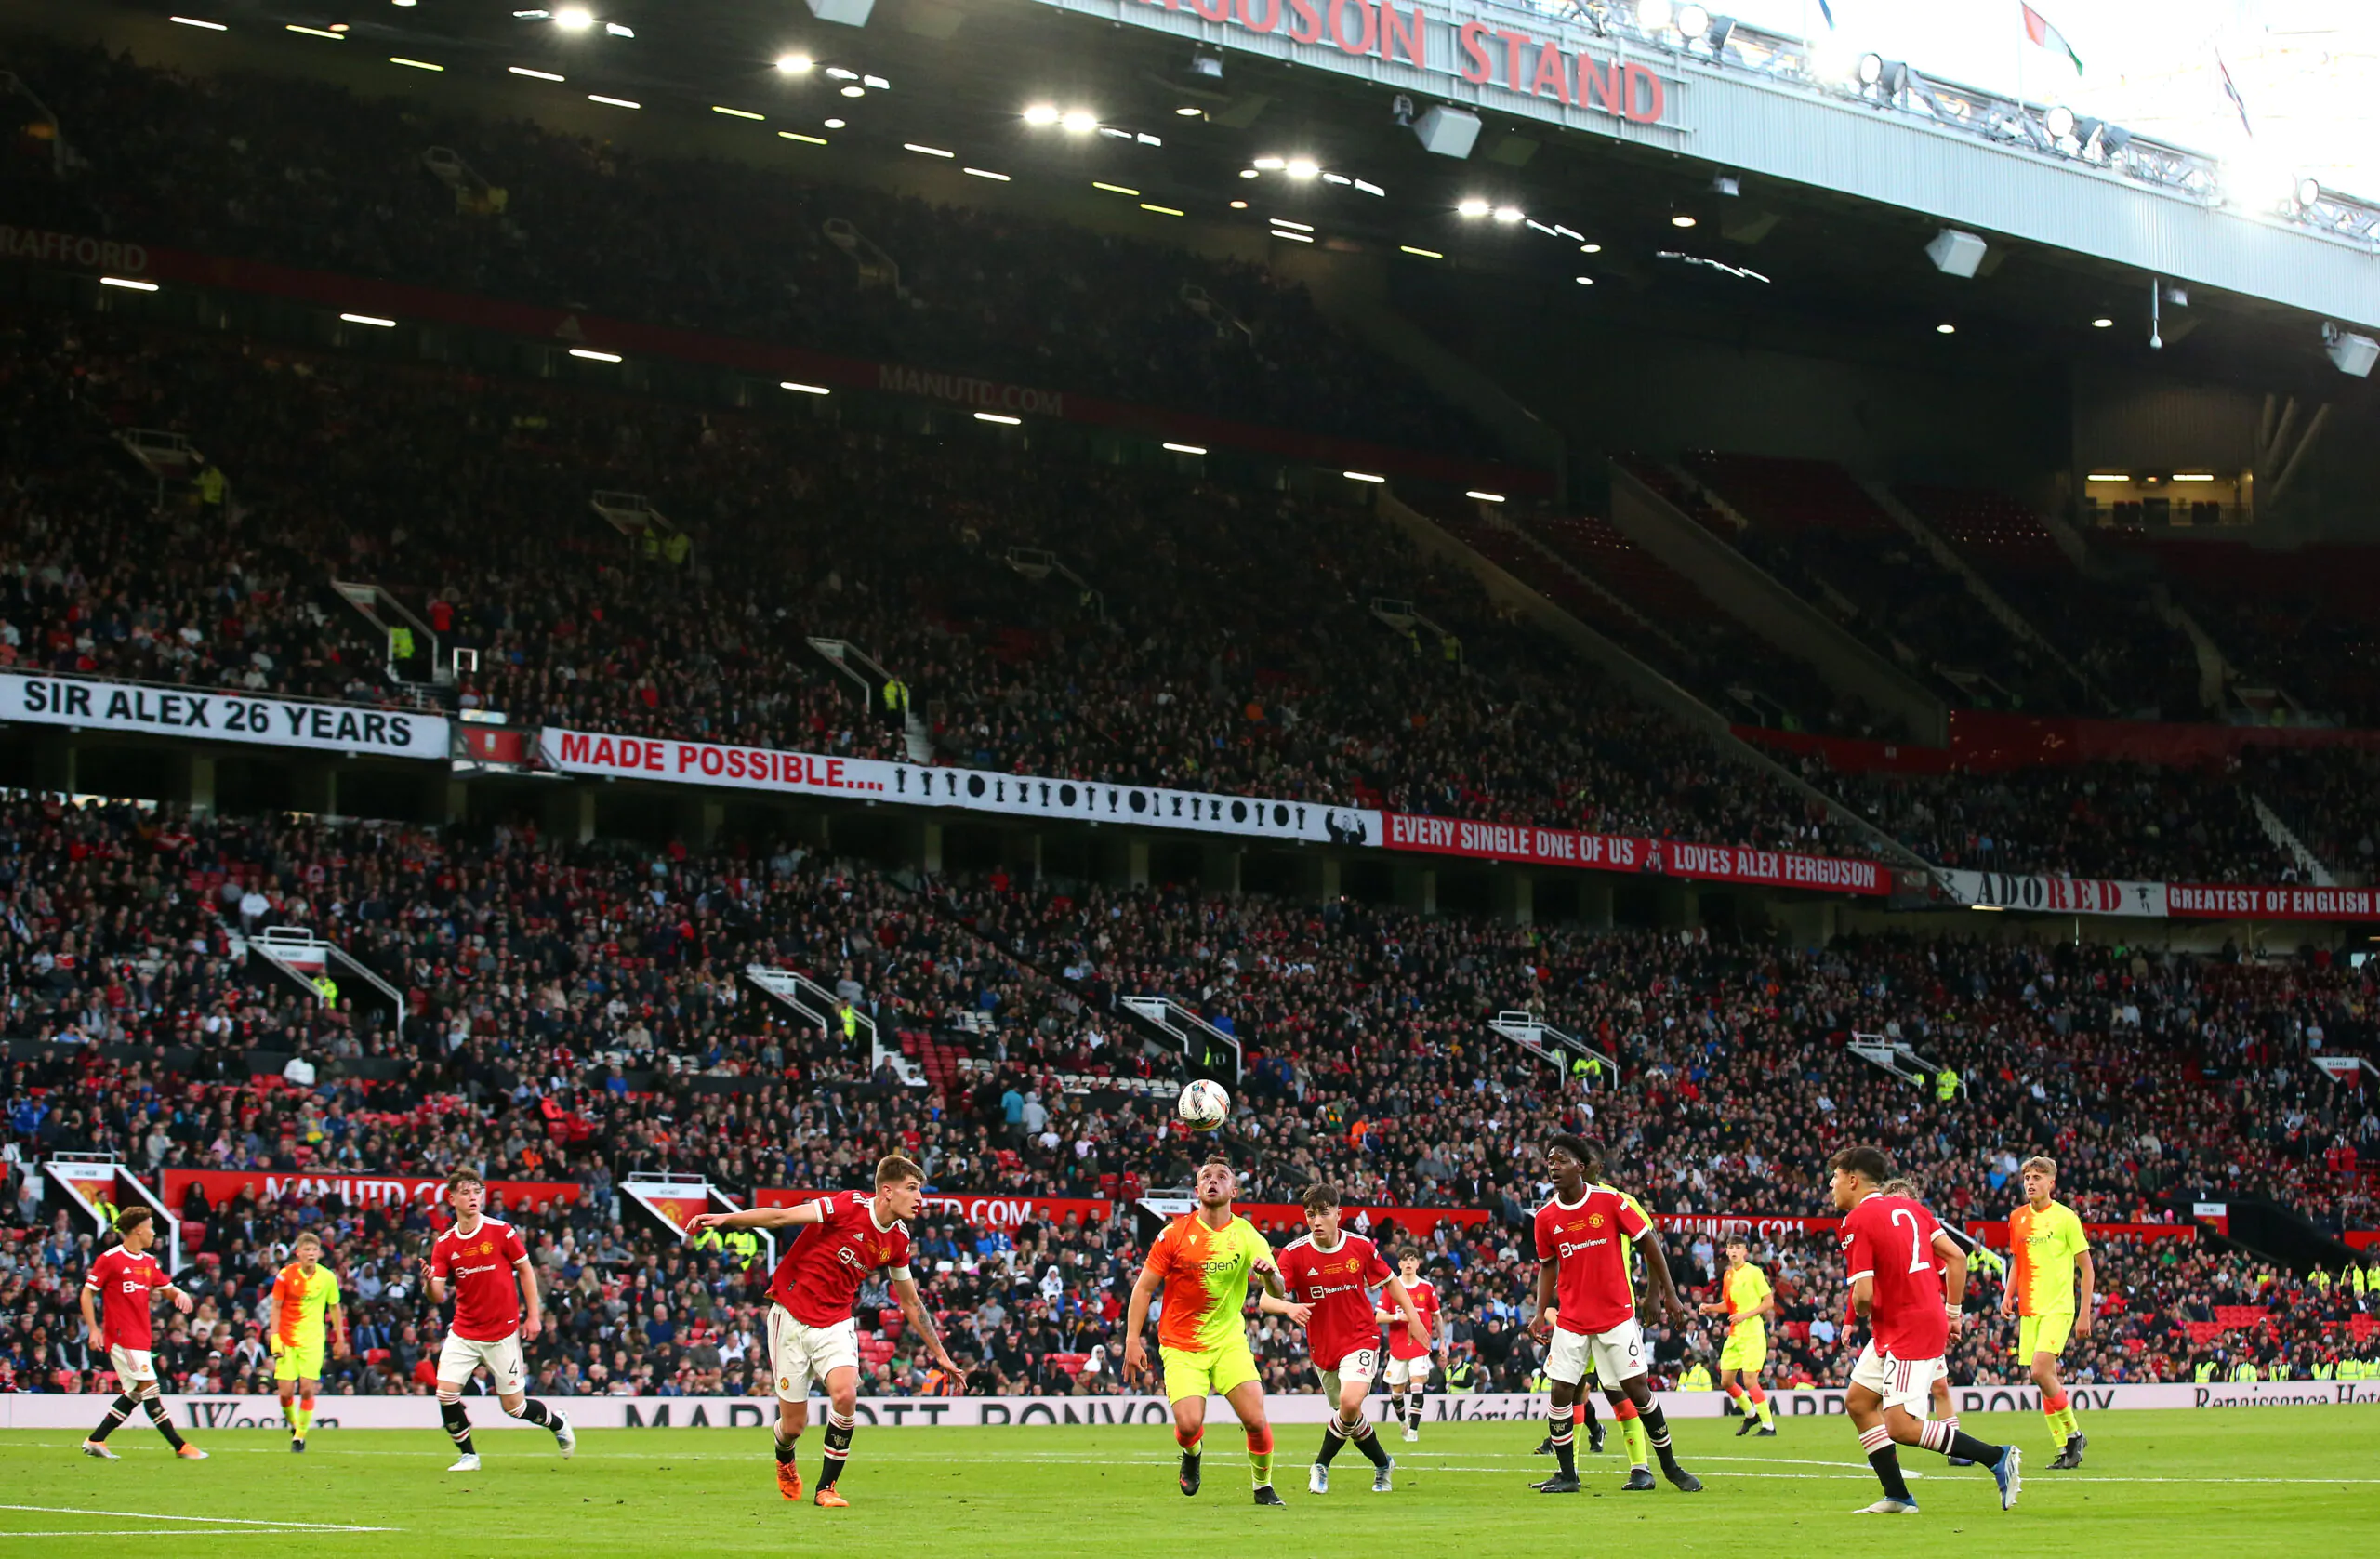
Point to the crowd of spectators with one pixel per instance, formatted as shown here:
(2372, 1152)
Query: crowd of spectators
(293, 172)
(1229, 642)
(573, 1014)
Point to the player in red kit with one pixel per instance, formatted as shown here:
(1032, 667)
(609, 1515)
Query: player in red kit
(1329, 1273)
(1408, 1359)
(1908, 1280)
(1584, 1236)
(496, 1310)
(115, 1309)
(811, 1335)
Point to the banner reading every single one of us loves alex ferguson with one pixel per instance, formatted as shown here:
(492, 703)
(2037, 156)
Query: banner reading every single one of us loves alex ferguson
(1566, 847)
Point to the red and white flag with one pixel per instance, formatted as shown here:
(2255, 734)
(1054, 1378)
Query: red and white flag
(2043, 35)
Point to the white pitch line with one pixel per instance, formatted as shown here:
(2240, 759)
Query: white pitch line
(201, 1520)
(147, 1532)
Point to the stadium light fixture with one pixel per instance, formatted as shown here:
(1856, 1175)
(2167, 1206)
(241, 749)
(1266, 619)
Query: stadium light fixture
(1249, 173)
(1585, 281)
(2350, 353)
(794, 64)
(854, 91)
(1508, 214)
(877, 84)
(1116, 188)
(613, 102)
(1363, 476)
(1187, 448)
(373, 320)
(2102, 322)
(593, 356)
(127, 283)
(1285, 222)
(807, 140)
(987, 173)
(574, 19)
(619, 30)
(736, 113)
(833, 124)
(199, 22)
(925, 151)
(1041, 113)
(1293, 237)
(803, 389)
(1302, 167)
(1471, 209)
(1240, 205)
(1187, 113)
(1270, 165)
(1486, 497)
(1003, 419)
(1160, 210)
(1955, 253)
(2193, 476)
(1421, 253)
(533, 76)
(2108, 475)
(1681, 221)
(1654, 15)
(1693, 20)
(1591, 248)
(1079, 121)
(1946, 329)
(2058, 121)
(315, 33)
(414, 64)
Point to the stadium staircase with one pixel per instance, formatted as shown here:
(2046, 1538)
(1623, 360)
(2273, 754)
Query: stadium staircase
(1554, 1047)
(1039, 563)
(869, 676)
(1656, 507)
(167, 457)
(301, 956)
(2285, 839)
(815, 1004)
(423, 667)
(1896, 1056)
(1506, 590)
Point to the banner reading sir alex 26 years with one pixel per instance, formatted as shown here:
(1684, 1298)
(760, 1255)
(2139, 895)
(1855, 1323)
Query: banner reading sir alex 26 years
(216, 715)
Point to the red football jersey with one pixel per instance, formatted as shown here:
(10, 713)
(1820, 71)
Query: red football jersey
(480, 1267)
(123, 1281)
(1890, 1241)
(1425, 1304)
(817, 1280)
(1337, 1282)
(1591, 1239)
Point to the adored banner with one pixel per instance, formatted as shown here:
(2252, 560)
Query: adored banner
(212, 715)
(1565, 846)
(581, 752)
(2057, 895)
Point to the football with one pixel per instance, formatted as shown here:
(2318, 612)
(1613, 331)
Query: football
(1204, 1105)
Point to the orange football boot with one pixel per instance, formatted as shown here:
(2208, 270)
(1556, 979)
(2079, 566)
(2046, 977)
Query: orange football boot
(790, 1480)
(830, 1500)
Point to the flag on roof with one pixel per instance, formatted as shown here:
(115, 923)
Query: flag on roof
(2043, 35)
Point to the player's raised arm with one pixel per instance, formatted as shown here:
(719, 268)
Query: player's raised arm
(755, 1218)
(921, 1322)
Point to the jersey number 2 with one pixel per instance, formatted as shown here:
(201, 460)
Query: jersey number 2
(1918, 1248)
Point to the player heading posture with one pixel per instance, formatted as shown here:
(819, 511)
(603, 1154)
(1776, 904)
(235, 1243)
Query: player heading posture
(1908, 1279)
(496, 1310)
(1203, 1262)
(2050, 1295)
(1584, 1236)
(123, 1277)
(811, 1334)
(1409, 1360)
(303, 1305)
(1329, 1273)
(1749, 1303)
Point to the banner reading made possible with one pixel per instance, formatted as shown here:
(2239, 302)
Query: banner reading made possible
(212, 715)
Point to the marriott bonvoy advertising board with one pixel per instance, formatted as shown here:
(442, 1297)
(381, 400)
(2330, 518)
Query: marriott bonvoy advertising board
(710, 763)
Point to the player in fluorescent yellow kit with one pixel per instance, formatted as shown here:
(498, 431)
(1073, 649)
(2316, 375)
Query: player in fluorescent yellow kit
(1203, 1260)
(303, 1307)
(1748, 1305)
(2049, 1292)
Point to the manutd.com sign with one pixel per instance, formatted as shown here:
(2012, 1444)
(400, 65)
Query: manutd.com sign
(224, 1186)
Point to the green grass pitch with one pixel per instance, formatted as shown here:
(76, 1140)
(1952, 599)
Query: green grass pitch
(2161, 1483)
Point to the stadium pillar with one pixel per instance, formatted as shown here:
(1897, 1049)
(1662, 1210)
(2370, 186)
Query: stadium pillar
(1122, 860)
(1417, 889)
(1517, 897)
(54, 766)
(925, 847)
(1679, 907)
(1317, 876)
(317, 789)
(1219, 868)
(198, 784)
(570, 813)
(700, 819)
(1594, 904)
(1021, 853)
